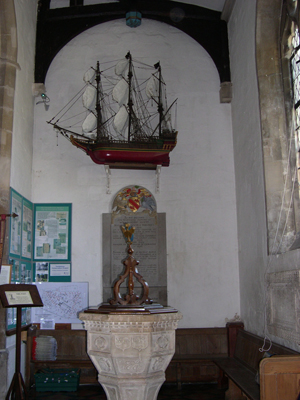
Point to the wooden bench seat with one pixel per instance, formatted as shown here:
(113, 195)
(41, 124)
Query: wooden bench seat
(242, 368)
(242, 377)
(195, 351)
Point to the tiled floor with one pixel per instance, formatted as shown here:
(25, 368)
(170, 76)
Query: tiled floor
(167, 392)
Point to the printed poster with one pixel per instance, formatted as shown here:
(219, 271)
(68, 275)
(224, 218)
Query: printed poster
(52, 232)
(27, 229)
(15, 227)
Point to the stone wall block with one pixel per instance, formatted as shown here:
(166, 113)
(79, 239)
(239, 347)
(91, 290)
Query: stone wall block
(272, 113)
(277, 149)
(269, 62)
(5, 144)
(8, 75)
(3, 373)
(273, 172)
(274, 201)
(6, 130)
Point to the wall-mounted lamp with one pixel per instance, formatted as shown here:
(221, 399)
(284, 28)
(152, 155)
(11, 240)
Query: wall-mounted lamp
(45, 100)
(38, 89)
(133, 19)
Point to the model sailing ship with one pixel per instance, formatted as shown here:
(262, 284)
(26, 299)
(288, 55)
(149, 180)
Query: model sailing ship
(126, 120)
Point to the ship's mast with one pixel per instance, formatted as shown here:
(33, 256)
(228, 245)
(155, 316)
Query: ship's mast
(98, 106)
(130, 103)
(160, 106)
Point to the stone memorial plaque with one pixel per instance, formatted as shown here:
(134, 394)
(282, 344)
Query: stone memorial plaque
(283, 304)
(135, 206)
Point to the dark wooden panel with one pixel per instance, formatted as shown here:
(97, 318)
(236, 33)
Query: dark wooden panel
(71, 344)
(248, 350)
(195, 350)
(232, 331)
(201, 371)
(201, 341)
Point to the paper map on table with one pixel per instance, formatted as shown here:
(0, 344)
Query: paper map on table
(62, 301)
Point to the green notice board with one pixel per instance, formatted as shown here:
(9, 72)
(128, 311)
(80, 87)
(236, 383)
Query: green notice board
(52, 232)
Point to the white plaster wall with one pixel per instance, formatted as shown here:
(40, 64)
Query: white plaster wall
(21, 165)
(248, 165)
(197, 190)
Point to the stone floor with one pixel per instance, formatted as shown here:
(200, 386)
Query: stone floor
(167, 392)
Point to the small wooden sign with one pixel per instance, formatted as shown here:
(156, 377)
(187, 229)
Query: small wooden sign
(15, 295)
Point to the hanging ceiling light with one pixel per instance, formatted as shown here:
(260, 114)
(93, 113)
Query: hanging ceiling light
(133, 19)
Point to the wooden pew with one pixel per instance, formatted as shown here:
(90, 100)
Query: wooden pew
(195, 351)
(280, 378)
(71, 354)
(242, 368)
(201, 355)
(193, 361)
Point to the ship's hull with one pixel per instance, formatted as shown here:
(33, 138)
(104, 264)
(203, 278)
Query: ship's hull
(131, 155)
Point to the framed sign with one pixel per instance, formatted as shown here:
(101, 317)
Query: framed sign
(27, 225)
(52, 232)
(13, 295)
(60, 272)
(20, 237)
(5, 274)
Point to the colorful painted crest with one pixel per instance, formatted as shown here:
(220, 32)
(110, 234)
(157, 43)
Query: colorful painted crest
(134, 199)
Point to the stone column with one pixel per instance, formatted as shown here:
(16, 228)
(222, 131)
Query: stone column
(131, 352)
(8, 64)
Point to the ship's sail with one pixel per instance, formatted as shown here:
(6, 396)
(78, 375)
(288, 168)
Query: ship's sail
(120, 92)
(121, 68)
(89, 97)
(89, 124)
(121, 122)
(89, 76)
(152, 88)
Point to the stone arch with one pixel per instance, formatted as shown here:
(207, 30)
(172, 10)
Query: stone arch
(281, 217)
